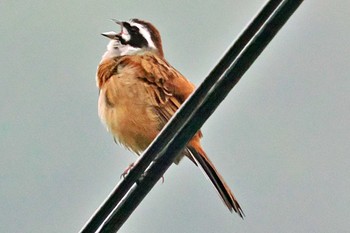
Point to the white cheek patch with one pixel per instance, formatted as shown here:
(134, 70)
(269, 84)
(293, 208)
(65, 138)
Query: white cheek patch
(145, 33)
(125, 34)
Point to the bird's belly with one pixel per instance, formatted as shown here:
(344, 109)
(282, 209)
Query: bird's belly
(128, 117)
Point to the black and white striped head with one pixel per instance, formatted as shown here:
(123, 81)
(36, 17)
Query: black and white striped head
(135, 36)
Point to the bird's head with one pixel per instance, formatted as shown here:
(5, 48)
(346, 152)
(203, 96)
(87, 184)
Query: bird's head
(136, 36)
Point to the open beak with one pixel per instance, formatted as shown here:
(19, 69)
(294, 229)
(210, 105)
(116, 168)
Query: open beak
(110, 35)
(118, 22)
(114, 35)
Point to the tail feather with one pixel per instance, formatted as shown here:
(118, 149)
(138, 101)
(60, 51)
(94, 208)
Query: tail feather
(202, 160)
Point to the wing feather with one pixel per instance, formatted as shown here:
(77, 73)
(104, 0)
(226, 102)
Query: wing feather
(168, 88)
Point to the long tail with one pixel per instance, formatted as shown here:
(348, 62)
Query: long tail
(214, 176)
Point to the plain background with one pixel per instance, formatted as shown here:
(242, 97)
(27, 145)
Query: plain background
(280, 139)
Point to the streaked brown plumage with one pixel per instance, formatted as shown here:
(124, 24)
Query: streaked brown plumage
(139, 92)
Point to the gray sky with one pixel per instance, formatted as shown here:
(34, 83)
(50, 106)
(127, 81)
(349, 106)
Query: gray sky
(280, 139)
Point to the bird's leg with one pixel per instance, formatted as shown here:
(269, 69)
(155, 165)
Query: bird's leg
(126, 171)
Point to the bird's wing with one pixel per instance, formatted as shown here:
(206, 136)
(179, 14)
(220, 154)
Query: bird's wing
(167, 89)
(166, 85)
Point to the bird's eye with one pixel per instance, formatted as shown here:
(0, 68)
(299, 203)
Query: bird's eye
(134, 29)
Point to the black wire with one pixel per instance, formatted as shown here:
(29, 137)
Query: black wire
(157, 147)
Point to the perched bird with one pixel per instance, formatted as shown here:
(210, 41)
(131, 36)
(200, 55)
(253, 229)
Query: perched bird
(139, 93)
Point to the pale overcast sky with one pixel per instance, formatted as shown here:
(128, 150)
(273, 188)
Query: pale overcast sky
(280, 139)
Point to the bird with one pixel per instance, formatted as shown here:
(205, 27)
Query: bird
(139, 91)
